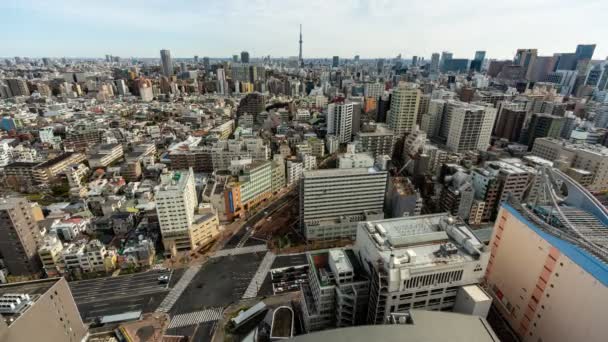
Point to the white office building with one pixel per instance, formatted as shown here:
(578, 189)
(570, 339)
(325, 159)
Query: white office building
(332, 201)
(418, 262)
(176, 200)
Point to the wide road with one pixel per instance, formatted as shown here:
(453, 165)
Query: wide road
(114, 295)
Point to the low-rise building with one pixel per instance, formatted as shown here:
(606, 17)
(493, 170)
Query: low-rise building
(105, 155)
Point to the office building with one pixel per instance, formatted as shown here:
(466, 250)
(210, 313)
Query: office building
(333, 200)
(544, 125)
(40, 310)
(469, 126)
(222, 85)
(256, 183)
(547, 271)
(445, 56)
(417, 325)
(526, 58)
(403, 112)
(434, 68)
(418, 262)
(19, 237)
(584, 51)
(335, 61)
(166, 62)
(244, 57)
(176, 200)
(455, 65)
(340, 121)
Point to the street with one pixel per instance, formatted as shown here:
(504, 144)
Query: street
(114, 295)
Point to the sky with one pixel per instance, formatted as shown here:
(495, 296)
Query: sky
(369, 28)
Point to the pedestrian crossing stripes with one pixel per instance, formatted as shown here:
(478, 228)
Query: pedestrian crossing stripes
(178, 289)
(260, 274)
(193, 318)
(242, 250)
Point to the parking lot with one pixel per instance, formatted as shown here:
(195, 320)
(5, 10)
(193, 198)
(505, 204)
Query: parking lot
(114, 295)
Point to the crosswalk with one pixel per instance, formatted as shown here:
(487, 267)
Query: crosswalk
(238, 251)
(197, 317)
(178, 289)
(258, 277)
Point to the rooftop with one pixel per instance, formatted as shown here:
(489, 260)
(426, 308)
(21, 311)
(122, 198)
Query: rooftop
(428, 326)
(34, 289)
(421, 240)
(340, 172)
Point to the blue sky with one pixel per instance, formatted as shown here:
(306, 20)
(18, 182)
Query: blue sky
(370, 28)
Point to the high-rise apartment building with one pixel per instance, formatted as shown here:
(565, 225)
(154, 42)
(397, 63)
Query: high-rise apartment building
(333, 200)
(19, 237)
(469, 126)
(376, 139)
(166, 62)
(340, 120)
(548, 269)
(375, 90)
(402, 116)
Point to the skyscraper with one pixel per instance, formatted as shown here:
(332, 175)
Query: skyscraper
(584, 51)
(244, 57)
(526, 59)
(404, 108)
(340, 121)
(480, 55)
(166, 62)
(434, 63)
(300, 54)
(335, 62)
(19, 236)
(445, 55)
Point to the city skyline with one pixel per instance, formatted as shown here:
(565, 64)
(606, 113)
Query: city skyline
(221, 29)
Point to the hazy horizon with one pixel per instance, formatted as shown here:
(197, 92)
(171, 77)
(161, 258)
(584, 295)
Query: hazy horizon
(369, 28)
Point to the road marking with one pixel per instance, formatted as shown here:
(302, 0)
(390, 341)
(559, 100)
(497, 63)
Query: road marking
(260, 274)
(197, 317)
(178, 289)
(238, 251)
